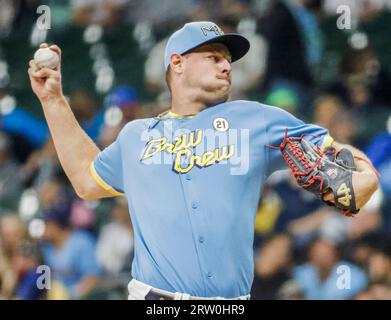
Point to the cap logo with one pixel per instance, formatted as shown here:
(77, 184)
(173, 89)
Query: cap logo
(211, 28)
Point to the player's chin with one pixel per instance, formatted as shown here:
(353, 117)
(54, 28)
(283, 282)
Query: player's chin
(217, 93)
(224, 93)
(223, 89)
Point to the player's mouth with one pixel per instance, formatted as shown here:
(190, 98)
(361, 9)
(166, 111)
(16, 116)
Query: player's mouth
(225, 78)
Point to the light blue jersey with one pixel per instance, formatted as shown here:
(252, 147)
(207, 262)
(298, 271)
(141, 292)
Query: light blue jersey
(193, 186)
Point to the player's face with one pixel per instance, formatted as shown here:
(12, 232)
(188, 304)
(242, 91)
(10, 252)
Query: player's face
(207, 73)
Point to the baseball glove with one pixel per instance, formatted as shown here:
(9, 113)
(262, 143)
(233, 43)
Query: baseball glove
(320, 172)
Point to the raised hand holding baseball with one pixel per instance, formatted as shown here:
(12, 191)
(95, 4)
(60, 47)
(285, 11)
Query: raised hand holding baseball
(46, 58)
(45, 72)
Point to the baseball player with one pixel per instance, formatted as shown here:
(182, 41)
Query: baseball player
(193, 175)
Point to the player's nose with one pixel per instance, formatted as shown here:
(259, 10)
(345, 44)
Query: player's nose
(226, 66)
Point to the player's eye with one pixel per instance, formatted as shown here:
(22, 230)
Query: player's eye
(213, 58)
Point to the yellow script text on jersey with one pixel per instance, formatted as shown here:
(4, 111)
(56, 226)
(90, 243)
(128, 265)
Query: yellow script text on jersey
(182, 148)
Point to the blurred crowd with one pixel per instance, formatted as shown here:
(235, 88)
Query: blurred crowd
(299, 61)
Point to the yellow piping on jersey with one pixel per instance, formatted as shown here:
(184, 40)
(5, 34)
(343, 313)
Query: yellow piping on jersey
(101, 182)
(171, 114)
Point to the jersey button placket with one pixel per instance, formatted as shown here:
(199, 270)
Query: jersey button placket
(194, 205)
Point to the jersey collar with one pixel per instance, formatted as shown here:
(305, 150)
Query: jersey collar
(168, 115)
(172, 115)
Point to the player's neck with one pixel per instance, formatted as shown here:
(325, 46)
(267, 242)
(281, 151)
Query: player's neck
(186, 107)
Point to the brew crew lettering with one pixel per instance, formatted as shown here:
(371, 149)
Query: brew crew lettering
(182, 149)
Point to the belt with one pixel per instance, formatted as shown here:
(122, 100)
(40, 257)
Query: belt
(151, 293)
(157, 294)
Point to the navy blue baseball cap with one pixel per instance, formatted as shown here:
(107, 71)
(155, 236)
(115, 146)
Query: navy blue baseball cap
(195, 34)
(121, 96)
(60, 210)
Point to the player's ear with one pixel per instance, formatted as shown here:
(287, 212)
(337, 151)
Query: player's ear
(176, 63)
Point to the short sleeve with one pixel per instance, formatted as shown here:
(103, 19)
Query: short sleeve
(278, 123)
(106, 169)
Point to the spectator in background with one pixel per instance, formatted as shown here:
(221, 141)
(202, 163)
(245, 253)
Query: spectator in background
(206, 10)
(345, 126)
(8, 277)
(121, 106)
(115, 243)
(364, 86)
(286, 207)
(295, 44)
(36, 133)
(40, 166)
(360, 249)
(319, 278)
(343, 123)
(325, 109)
(83, 215)
(154, 73)
(12, 233)
(272, 267)
(70, 254)
(290, 290)
(25, 264)
(10, 182)
(104, 12)
(13, 120)
(364, 83)
(12, 12)
(167, 14)
(378, 265)
(8, 10)
(85, 110)
(285, 98)
(126, 99)
(379, 151)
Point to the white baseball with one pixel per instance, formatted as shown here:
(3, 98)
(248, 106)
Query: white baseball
(46, 58)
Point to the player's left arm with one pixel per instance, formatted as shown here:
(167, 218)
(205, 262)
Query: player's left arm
(365, 180)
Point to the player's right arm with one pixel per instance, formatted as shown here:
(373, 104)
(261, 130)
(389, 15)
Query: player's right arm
(74, 148)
